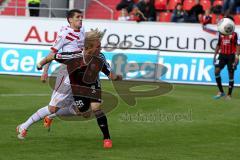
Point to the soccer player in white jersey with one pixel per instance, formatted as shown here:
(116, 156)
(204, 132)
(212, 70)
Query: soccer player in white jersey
(70, 39)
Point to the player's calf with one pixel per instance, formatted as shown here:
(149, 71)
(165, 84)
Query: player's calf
(102, 123)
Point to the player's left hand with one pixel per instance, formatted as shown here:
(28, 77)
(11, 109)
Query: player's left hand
(235, 62)
(115, 77)
(118, 78)
(44, 77)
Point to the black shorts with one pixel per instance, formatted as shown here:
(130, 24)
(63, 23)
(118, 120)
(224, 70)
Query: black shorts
(85, 94)
(224, 59)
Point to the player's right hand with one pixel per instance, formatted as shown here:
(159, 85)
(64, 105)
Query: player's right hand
(44, 77)
(236, 60)
(39, 66)
(214, 60)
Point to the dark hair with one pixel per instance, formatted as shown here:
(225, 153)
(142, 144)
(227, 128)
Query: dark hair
(178, 4)
(230, 17)
(72, 12)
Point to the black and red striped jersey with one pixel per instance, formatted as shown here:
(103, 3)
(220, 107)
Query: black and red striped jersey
(228, 43)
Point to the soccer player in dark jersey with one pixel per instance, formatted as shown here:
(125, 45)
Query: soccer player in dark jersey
(226, 53)
(83, 70)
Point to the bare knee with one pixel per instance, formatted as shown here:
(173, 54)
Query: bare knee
(53, 109)
(95, 106)
(217, 71)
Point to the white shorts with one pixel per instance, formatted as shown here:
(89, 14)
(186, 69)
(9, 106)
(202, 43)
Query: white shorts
(62, 94)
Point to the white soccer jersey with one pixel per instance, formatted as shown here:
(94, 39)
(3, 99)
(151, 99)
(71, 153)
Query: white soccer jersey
(69, 40)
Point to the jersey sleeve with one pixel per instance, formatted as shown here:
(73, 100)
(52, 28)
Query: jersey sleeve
(106, 69)
(238, 39)
(58, 44)
(219, 39)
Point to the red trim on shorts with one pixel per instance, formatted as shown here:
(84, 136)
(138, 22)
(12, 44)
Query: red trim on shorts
(60, 83)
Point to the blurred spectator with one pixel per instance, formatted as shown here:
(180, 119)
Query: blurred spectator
(193, 14)
(148, 9)
(212, 1)
(124, 15)
(230, 6)
(179, 14)
(217, 9)
(137, 15)
(34, 3)
(206, 18)
(127, 4)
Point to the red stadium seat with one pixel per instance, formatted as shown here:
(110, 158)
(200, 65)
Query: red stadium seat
(206, 4)
(237, 19)
(188, 4)
(160, 4)
(216, 18)
(218, 2)
(172, 4)
(165, 17)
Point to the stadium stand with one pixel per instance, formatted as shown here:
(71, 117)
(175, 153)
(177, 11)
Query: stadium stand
(172, 3)
(218, 2)
(106, 9)
(97, 11)
(188, 4)
(216, 18)
(11, 8)
(206, 4)
(164, 17)
(237, 19)
(160, 4)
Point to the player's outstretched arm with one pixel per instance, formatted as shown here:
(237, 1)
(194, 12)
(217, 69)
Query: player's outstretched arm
(46, 60)
(216, 53)
(237, 55)
(44, 75)
(209, 30)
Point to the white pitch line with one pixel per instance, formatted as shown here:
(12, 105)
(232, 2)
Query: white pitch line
(23, 95)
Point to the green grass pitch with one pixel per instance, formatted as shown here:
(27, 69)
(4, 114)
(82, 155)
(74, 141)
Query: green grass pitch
(207, 130)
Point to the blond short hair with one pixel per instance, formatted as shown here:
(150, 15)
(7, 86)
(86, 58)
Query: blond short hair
(91, 37)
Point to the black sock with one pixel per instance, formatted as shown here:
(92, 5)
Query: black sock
(230, 87)
(102, 123)
(219, 83)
